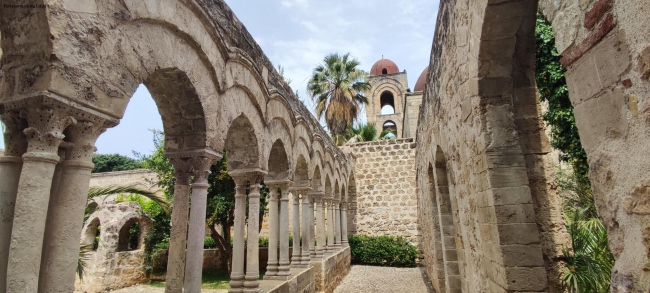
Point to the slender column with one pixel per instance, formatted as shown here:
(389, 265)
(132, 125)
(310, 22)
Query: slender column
(175, 278)
(201, 161)
(337, 225)
(274, 231)
(320, 227)
(44, 135)
(66, 210)
(237, 273)
(10, 166)
(344, 224)
(296, 256)
(329, 248)
(304, 260)
(312, 229)
(285, 264)
(251, 283)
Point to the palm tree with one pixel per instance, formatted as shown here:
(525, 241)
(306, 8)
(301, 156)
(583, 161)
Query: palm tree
(95, 192)
(366, 132)
(339, 89)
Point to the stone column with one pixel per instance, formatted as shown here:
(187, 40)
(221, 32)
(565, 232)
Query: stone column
(320, 227)
(305, 257)
(66, 209)
(312, 224)
(201, 161)
(337, 225)
(296, 256)
(175, 278)
(44, 135)
(328, 234)
(237, 273)
(274, 231)
(251, 283)
(285, 264)
(344, 224)
(10, 167)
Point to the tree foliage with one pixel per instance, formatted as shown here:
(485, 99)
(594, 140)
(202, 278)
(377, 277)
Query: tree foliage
(552, 87)
(114, 162)
(339, 89)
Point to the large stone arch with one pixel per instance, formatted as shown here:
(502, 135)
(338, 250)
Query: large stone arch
(279, 162)
(242, 145)
(480, 107)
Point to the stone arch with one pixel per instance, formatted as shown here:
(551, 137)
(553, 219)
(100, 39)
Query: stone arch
(279, 163)
(124, 235)
(90, 231)
(328, 185)
(317, 179)
(387, 98)
(242, 145)
(336, 193)
(390, 85)
(448, 221)
(391, 126)
(301, 172)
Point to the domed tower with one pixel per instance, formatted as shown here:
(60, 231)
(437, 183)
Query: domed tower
(386, 99)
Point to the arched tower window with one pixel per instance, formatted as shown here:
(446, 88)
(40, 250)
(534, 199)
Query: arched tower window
(391, 127)
(384, 71)
(92, 235)
(387, 103)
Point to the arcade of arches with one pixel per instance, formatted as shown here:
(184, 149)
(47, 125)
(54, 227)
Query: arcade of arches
(488, 214)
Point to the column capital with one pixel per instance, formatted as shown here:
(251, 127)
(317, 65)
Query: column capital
(284, 185)
(199, 160)
(182, 170)
(80, 139)
(45, 130)
(242, 176)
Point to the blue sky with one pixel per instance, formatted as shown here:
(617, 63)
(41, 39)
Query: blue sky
(297, 34)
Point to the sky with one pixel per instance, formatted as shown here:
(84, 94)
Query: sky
(298, 34)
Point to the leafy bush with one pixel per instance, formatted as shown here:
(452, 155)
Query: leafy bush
(264, 241)
(382, 250)
(209, 243)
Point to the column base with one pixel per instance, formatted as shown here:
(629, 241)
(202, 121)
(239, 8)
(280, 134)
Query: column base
(252, 284)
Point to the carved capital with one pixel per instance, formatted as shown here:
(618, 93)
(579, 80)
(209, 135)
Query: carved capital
(81, 138)
(199, 160)
(46, 126)
(14, 138)
(254, 176)
(182, 170)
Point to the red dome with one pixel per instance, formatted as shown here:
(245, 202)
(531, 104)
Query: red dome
(422, 80)
(384, 66)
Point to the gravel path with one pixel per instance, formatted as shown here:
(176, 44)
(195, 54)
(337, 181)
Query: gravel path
(369, 279)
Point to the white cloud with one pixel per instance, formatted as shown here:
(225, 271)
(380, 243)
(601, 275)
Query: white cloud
(294, 3)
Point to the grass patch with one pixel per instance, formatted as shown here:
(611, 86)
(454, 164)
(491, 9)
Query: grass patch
(211, 279)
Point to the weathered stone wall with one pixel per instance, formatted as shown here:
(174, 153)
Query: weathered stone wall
(385, 198)
(490, 216)
(329, 273)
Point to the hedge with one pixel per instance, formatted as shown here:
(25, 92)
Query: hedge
(395, 251)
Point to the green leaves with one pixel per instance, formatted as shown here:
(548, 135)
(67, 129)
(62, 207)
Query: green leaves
(382, 250)
(114, 162)
(339, 89)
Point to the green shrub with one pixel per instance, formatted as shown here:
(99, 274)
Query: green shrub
(264, 242)
(382, 250)
(209, 243)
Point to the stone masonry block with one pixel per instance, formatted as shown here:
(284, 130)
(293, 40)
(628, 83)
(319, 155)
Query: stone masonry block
(522, 256)
(507, 177)
(510, 195)
(520, 213)
(526, 279)
(526, 233)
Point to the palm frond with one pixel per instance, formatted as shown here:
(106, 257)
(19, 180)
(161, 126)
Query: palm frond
(83, 257)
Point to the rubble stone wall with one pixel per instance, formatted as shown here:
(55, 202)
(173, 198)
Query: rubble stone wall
(385, 199)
